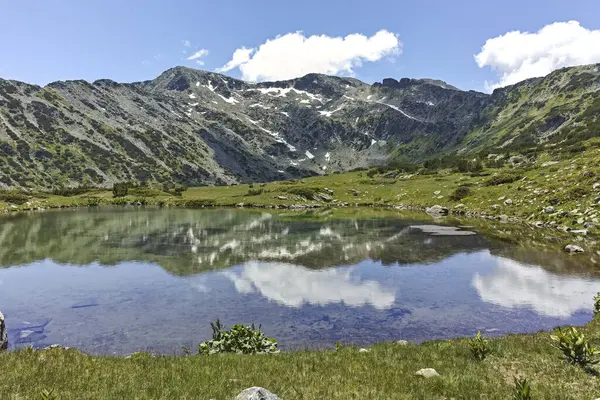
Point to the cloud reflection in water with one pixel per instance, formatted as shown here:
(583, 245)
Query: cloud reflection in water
(293, 285)
(513, 284)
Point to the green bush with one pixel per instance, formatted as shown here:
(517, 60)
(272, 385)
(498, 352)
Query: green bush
(522, 389)
(460, 193)
(255, 192)
(239, 339)
(14, 197)
(502, 178)
(68, 192)
(198, 203)
(597, 303)
(575, 347)
(479, 347)
(121, 189)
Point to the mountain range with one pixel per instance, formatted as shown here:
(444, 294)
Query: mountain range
(202, 128)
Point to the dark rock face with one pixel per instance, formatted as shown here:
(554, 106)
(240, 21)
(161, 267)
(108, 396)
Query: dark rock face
(201, 128)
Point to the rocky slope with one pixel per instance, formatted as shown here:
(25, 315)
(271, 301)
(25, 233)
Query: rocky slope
(197, 127)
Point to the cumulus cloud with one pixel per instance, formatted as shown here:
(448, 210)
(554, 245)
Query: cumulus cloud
(516, 55)
(240, 56)
(293, 55)
(197, 56)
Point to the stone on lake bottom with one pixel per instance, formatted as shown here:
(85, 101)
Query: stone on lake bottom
(256, 393)
(427, 372)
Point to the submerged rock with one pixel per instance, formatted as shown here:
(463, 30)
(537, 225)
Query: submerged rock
(427, 372)
(256, 393)
(3, 334)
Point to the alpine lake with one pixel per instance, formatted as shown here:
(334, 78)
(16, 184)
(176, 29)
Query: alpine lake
(120, 280)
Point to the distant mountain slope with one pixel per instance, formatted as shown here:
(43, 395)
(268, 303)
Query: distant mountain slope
(199, 128)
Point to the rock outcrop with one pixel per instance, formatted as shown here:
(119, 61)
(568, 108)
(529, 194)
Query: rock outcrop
(3, 333)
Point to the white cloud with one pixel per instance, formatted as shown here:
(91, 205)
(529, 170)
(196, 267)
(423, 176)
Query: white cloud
(199, 54)
(186, 43)
(293, 55)
(240, 56)
(516, 55)
(199, 62)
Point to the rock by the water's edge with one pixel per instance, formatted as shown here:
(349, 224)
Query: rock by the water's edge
(437, 211)
(3, 333)
(256, 393)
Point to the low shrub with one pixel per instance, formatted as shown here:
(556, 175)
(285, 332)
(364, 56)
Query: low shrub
(575, 347)
(198, 203)
(255, 192)
(121, 189)
(479, 347)
(597, 303)
(502, 178)
(239, 339)
(460, 193)
(14, 197)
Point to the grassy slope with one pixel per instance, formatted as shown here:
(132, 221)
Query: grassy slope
(386, 372)
(564, 181)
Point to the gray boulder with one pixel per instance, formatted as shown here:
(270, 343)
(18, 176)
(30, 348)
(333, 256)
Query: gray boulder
(256, 393)
(436, 211)
(3, 334)
(573, 248)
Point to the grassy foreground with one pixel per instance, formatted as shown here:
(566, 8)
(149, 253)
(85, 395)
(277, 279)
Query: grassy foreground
(387, 371)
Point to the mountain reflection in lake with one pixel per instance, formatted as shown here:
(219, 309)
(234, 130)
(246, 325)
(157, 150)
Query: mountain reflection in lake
(117, 281)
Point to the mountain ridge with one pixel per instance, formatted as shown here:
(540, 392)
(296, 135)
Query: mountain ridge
(201, 128)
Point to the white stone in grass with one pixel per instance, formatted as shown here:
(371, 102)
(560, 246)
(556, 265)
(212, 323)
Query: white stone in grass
(427, 372)
(256, 393)
(402, 342)
(573, 248)
(363, 350)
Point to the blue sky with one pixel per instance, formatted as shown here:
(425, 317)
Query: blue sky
(131, 40)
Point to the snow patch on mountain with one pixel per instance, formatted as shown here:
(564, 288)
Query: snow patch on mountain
(309, 155)
(329, 113)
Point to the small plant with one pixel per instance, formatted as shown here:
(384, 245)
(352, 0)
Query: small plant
(575, 347)
(460, 193)
(522, 389)
(239, 339)
(255, 192)
(49, 395)
(597, 303)
(479, 347)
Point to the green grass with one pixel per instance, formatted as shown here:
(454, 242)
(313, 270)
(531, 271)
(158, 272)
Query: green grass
(531, 189)
(385, 372)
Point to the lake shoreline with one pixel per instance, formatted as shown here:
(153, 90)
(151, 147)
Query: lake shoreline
(311, 373)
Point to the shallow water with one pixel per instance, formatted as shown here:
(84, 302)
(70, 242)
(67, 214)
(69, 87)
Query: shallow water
(118, 281)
